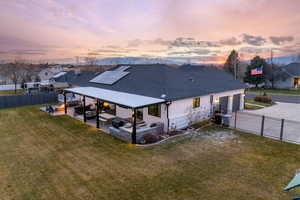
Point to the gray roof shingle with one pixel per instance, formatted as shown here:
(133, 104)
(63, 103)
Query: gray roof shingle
(293, 69)
(155, 80)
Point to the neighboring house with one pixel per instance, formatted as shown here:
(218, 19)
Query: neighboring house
(173, 96)
(289, 77)
(4, 80)
(48, 73)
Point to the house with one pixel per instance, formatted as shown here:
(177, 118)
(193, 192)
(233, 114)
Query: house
(48, 73)
(289, 76)
(174, 97)
(53, 71)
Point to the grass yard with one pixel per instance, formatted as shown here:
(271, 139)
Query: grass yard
(252, 107)
(10, 92)
(250, 104)
(46, 157)
(274, 91)
(251, 101)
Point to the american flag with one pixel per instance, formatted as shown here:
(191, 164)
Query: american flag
(257, 71)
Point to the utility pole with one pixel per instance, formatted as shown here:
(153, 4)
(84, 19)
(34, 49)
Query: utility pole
(235, 66)
(235, 70)
(272, 68)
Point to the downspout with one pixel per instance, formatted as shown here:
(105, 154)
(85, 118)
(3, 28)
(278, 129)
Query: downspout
(211, 105)
(168, 119)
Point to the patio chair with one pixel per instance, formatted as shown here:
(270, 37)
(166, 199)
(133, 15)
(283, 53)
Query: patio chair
(79, 109)
(91, 114)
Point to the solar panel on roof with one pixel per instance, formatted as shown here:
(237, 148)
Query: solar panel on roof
(109, 77)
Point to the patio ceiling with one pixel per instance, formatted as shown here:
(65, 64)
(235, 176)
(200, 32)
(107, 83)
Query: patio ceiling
(115, 97)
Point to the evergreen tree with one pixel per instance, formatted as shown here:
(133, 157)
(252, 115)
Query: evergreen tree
(232, 62)
(255, 79)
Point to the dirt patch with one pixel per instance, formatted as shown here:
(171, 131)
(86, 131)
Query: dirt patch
(215, 136)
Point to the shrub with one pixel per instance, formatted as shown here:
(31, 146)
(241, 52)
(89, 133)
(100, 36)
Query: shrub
(263, 99)
(151, 138)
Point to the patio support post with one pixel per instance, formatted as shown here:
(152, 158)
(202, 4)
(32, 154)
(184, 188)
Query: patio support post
(281, 129)
(65, 102)
(134, 127)
(262, 125)
(98, 111)
(235, 119)
(84, 114)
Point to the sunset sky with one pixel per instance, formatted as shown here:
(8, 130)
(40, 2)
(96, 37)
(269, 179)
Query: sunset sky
(197, 30)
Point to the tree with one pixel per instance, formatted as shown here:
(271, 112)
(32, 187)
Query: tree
(231, 64)
(242, 68)
(90, 60)
(18, 71)
(255, 79)
(23, 84)
(14, 72)
(37, 78)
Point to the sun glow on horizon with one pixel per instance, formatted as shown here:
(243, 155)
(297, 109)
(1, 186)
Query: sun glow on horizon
(67, 31)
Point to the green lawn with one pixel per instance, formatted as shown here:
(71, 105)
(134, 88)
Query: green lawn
(10, 92)
(251, 101)
(274, 91)
(252, 107)
(47, 157)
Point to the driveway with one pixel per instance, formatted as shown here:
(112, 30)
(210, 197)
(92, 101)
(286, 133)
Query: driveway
(279, 98)
(289, 111)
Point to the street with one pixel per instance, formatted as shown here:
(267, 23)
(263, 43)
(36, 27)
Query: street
(279, 98)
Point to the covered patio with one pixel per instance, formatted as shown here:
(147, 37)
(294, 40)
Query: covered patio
(104, 117)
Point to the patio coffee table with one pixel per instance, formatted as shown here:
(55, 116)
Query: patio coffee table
(107, 116)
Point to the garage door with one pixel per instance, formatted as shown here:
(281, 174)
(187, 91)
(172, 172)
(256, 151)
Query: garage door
(236, 103)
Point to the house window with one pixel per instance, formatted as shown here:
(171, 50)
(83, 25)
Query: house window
(196, 102)
(154, 110)
(139, 114)
(109, 108)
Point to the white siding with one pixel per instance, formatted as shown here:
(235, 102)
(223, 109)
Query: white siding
(152, 119)
(127, 113)
(181, 112)
(123, 112)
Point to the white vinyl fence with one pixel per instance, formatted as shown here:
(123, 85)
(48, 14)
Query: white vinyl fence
(281, 129)
(9, 87)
